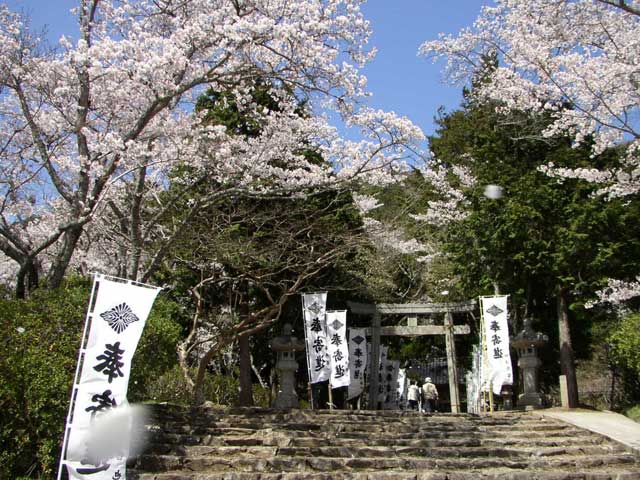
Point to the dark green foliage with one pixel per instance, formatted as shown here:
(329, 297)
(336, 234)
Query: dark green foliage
(625, 343)
(37, 368)
(543, 236)
(156, 352)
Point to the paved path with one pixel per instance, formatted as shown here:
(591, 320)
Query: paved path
(613, 425)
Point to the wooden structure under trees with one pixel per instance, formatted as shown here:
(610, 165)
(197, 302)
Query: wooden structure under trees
(412, 311)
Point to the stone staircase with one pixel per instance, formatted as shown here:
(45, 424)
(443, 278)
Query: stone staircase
(266, 444)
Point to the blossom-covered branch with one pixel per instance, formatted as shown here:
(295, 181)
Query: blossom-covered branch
(574, 60)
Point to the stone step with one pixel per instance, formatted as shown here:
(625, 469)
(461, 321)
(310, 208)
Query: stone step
(394, 451)
(223, 428)
(503, 474)
(163, 443)
(252, 463)
(206, 436)
(267, 444)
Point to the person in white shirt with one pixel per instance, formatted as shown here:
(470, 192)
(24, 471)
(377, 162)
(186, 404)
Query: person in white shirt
(413, 395)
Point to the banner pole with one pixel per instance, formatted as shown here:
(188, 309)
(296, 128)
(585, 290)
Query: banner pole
(491, 397)
(306, 348)
(74, 388)
(330, 396)
(485, 361)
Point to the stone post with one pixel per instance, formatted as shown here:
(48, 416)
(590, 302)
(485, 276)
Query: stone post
(286, 347)
(527, 342)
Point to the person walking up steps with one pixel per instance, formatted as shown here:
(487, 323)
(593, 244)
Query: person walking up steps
(413, 395)
(429, 395)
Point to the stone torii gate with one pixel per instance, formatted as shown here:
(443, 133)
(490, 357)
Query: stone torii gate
(413, 329)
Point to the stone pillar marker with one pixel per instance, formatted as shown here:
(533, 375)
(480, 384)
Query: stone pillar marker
(527, 342)
(286, 347)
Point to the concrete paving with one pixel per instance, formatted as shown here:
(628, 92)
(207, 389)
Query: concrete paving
(610, 424)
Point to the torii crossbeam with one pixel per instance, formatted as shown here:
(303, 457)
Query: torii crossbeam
(412, 329)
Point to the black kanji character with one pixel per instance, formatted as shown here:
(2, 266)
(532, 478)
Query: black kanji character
(336, 340)
(340, 371)
(358, 352)
(337, 356)
(320, 364)
(356, 374)
(111, 363)
(496, 339)
(318, 345)
(104, 402)
(494, 326)
(497, 352)
(92, 470)
(315, 325)
(357, 363)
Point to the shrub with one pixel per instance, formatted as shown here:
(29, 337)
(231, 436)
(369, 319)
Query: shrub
(221, 390)
(37, 366)
(40, 349)
(625, 343)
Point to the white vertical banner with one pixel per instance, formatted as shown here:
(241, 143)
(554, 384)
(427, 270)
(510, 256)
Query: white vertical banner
(391, 388)
(314, 312)
(402, 387)
(357, 361)
(382, 374)
(496, 334)
(118, 310)
(338, 348)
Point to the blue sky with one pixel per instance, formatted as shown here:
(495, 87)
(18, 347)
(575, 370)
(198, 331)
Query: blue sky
(399, 80)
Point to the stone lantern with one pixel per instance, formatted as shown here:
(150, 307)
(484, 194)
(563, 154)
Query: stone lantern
(286, 347)
(527, 342)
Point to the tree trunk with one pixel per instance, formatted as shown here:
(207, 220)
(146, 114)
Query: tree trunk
(245, 397)
(567, 363)
(27, 279)
(61, 262)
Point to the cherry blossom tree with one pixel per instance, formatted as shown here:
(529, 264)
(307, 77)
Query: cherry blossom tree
(91, 131)
(576, 60)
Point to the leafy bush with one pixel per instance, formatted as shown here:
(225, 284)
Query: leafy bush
(633, 413)
(625, 343)
(40, 349)
(37, 366)
(156, 352)
(171, 387)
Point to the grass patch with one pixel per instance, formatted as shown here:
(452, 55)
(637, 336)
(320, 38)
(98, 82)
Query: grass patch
(633, 413)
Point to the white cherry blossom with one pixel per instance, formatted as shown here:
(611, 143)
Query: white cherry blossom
(94, 129)
(577, 60)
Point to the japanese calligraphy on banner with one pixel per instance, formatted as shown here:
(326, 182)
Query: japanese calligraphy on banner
(116, 317)
(313, 310)
(497, 361)
(402, 387)
(391, 396)
(338, 348)
(382, 377)
(357, 361)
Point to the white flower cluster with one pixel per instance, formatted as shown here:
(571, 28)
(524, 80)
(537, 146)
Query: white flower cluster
(387, 238)
(577, 60)
(617, 292)
(113, 112)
